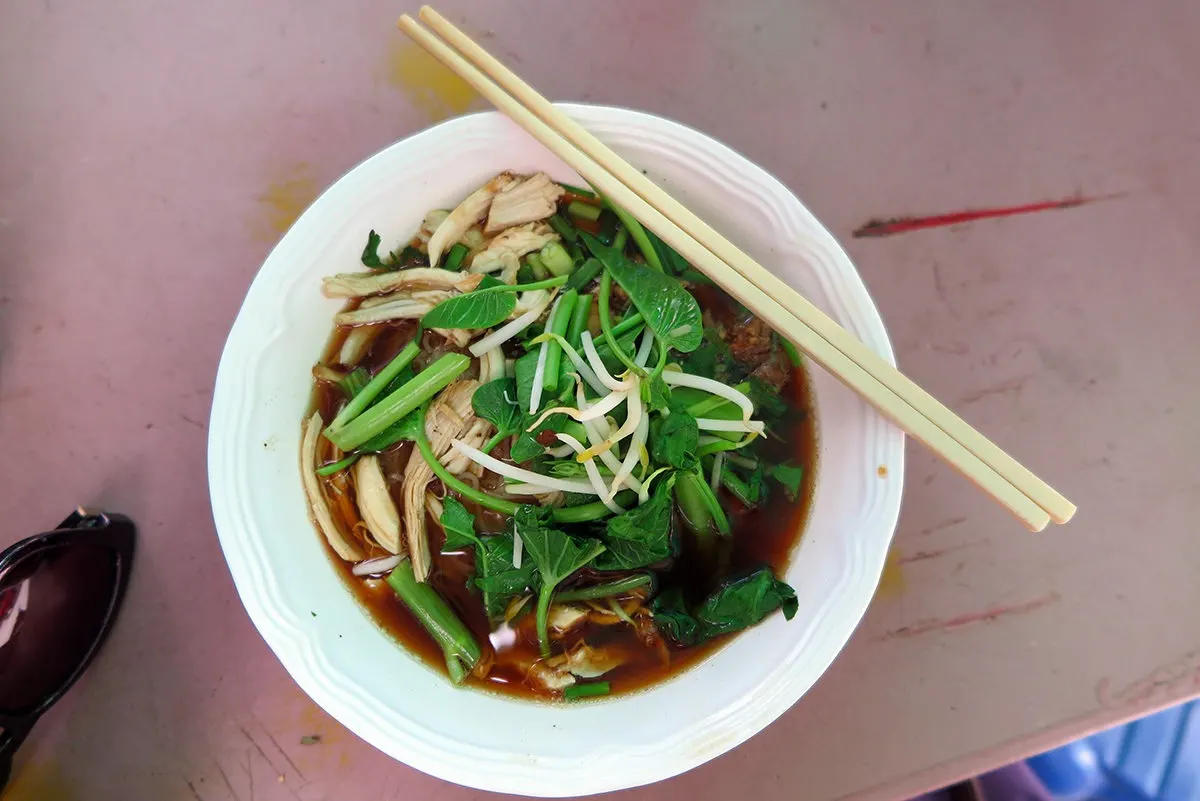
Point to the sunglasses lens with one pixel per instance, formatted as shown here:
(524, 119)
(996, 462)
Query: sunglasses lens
(53, 607)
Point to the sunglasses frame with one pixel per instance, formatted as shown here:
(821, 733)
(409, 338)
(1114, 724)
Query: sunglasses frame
(113, 531)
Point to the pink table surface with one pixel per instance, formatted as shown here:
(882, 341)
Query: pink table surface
(152, 152)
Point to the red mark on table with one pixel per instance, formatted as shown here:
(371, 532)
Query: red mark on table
(971, 618)
(921, 556)
(904, 225)
(1167, 682)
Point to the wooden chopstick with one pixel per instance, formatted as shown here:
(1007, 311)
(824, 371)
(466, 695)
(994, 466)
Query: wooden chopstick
(770, 310)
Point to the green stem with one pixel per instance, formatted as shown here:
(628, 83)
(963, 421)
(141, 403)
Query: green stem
(605, 590)
(714, 506)
(548, 283)
(591, 511)
(430, 381)
(557, 325)
(638, 233)
(333, 467)
(740, 489)
(606, 324)
(376, 385)
(496, 440)
(790, 349)
(466, 490)
(621, 237)
(459, 646)
(628, 324)
(593, 689)
(563, 228)
(717, 447)
(577, 190)
(543, 617)
(579, 319)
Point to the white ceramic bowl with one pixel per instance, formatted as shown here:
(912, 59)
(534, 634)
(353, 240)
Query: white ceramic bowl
(356, 672)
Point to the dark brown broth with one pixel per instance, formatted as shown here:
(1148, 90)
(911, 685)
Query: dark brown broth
(763, 536)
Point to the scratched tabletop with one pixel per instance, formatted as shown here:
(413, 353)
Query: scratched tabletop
(151, 153)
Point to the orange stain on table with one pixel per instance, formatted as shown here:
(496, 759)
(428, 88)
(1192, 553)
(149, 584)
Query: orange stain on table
(892, 583)
(431, 87)
(285, 199)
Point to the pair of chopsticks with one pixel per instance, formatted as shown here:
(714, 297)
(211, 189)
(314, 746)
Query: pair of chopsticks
(897, 397)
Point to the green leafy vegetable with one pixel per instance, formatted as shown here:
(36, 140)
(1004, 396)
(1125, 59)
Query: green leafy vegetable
(478, 309)
(381, 383)
(677, 440)
(738, 603)
(640, 236)
(527, 446)
(563, 228)
(340, 464)
(370, 254)
(741, 602)
(459, 525)
(459, 646)
(496, 402)
(769, 405)
(524, 369)
(556, 556)
(656, 394)
(712, 358)
(751, 490)
(790, 475)
(355, 382)
(641, 536)
(672, 619)
(669, 309)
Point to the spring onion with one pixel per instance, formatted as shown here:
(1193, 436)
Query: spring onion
(430, 381)
(593, 689)
(555, 259)
(606, 326)
(605, 590)
(583, 211)
(376, 385)
(557, 325)
(333, 467)
(454, 258)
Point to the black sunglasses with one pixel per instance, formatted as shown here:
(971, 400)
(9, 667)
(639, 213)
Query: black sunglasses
(59, 595)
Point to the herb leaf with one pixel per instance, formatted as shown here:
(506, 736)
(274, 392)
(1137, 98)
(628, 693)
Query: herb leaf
(495, 575)
(459, 525)
(672, 618)
(642, 536)
(738, 603)
(741, 602)
(525, 368)
(669, 309)
(677, 440)
(496, 402)
(789, 475)
(478, 309)
(656, 394)
(526, 446)
(370, 254)
(768, 404)
(556, 556)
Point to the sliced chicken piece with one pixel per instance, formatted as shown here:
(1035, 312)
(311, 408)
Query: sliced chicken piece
(458, 337)
(542, 675)
(342, 546)
(466, 214)
(430, 224)
(564, 617)
(587, 662)
(447, 419)
(535, 198)
(414, 279)
(375, 504)
(475, 436)
(404, 308)
(356, 344)
(508, 247)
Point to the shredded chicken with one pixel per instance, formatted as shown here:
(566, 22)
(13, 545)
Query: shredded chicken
(430, 224)
(466, 214)
(446, 421)
(342, 546)
(506, 249)
(356, 344)
(587, 662)
(375, 504)
(535, 198)
(404, 308)
(491, 367)
(414, 279)
(564, 617)
(547, 678)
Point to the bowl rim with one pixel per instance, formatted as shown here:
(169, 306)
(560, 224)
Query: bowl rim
(289, 644)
